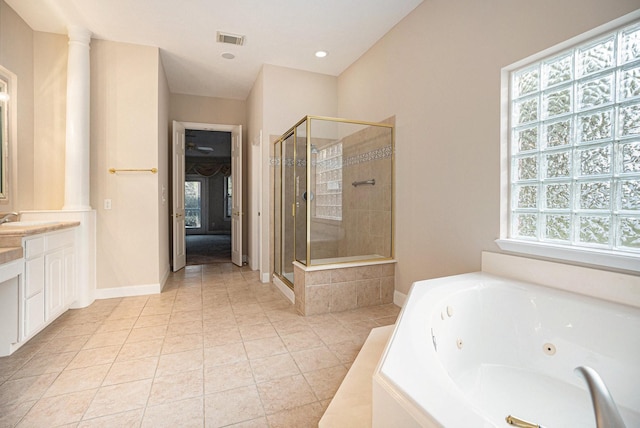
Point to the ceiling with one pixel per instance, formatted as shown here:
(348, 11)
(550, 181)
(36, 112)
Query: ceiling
(208, 145)
(285, 33)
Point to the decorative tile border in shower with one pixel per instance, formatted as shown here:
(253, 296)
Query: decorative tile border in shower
(381, 153)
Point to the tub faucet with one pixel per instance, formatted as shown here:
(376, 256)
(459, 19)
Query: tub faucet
(6, 217)
(607, 415)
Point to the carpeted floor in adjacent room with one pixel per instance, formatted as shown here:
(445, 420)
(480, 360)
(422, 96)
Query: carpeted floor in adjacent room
(207, 249)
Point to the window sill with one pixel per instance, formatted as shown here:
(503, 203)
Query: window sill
(602, 258)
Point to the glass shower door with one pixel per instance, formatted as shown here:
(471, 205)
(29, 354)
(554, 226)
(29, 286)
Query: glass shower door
(288, 206)
(277, 211)
(302, 198)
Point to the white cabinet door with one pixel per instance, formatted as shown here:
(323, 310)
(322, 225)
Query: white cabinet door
(50, 279)
(54, 264)
(33, 314)
(179, 251)
(34, 276)
(70, 276)
(236, 196)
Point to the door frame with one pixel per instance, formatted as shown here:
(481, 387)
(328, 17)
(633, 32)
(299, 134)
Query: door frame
(211, 127)
(177, 227)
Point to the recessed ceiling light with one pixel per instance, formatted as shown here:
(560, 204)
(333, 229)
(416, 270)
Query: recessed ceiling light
(321, 54)
(228, 55)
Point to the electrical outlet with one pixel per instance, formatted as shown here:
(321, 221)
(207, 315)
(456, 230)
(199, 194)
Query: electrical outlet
(107, 204)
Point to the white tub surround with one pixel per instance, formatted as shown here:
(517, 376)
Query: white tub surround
(601, 284)
(351, 405)
(77, 161)
(471, 349)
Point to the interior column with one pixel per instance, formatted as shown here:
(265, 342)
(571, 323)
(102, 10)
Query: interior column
(77, 179)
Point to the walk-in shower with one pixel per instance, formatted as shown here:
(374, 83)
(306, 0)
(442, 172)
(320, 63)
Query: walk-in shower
(333, 198)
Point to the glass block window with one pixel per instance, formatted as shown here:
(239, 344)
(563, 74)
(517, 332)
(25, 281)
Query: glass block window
(575, 145)
(328, 203)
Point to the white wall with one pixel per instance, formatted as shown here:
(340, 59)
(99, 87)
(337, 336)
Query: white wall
(219, 111)
(50, 112)
(127, 132)
(291, 94)
(256, 199)
(129, 129)
(16, 54)
(164, 186)
(438, 71)
(281, 97)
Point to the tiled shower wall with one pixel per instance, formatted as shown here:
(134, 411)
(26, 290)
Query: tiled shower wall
(366, 224)
(337, 289)
(366, 209)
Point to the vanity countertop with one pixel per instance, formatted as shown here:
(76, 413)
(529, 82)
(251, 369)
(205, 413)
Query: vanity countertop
(10, 254)
(11, 233)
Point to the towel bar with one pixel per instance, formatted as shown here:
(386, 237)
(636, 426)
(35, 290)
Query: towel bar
(358, 183)
(151, 170)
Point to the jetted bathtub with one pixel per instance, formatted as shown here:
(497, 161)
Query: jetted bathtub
(469, 350)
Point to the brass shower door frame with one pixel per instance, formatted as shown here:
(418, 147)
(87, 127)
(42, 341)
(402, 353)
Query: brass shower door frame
(294, 209)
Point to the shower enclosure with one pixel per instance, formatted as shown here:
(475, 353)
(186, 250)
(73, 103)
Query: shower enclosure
(333, 195)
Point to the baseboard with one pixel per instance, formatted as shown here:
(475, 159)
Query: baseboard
(163, 281)
(399, 298)
(128, 291)
(265, 277)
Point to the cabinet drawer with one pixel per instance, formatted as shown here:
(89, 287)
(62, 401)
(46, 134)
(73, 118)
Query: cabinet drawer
(58, 240)
(33, 247)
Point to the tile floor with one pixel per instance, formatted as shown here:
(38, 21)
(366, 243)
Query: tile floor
(216, 348)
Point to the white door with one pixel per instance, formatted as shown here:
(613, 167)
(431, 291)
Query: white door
(177, 215)
(236, 195)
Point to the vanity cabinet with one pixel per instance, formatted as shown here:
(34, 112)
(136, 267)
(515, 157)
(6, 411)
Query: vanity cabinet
(11, 275)
(50, 278)
(38, 277)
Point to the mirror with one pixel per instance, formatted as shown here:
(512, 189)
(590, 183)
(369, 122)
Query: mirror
(7, 99)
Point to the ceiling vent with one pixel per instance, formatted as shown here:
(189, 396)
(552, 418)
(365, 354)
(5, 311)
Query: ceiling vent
(232, 39)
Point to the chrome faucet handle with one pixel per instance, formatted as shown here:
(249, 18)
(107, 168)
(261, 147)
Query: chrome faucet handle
(605, 409)
(5, 216)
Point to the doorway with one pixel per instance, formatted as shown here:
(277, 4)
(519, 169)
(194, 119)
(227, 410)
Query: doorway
(207, 194)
